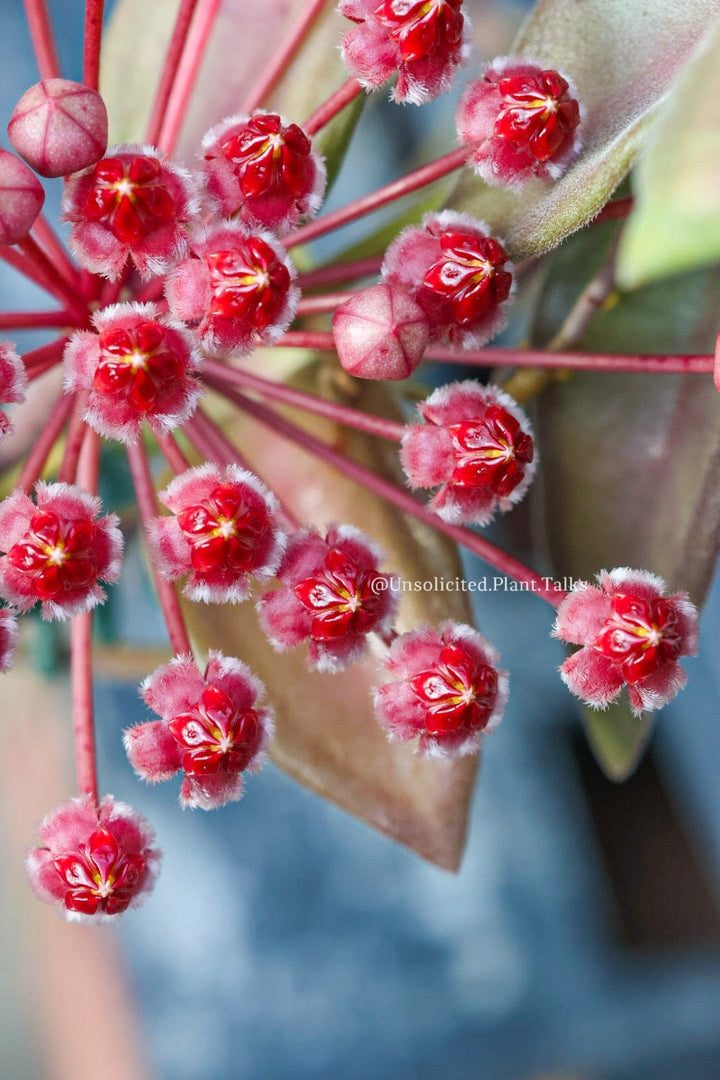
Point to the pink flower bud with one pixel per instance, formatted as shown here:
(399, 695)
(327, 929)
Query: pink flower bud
(13, 381)
(235, 289)
(57, 551)
(59, 127)
(21, 199)
(138, 366)
(447, 690)
(459, 275)
(333, 596)
(422, 41)
(132, 204)
(94, 861)
(223, 533)
(632, 635)
(476, 444)
(522, 121)
(211, 728)
(380, 333)
(263, 168)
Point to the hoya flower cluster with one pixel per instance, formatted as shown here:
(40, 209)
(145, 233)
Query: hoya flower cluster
(179, 276)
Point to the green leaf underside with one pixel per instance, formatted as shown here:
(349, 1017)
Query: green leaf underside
(622, 56)
(675, 225)
(631, 462)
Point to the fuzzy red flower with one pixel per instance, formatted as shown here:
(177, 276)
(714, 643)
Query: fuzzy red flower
(95, 861)
(236, 290)
(632, 635)
(223, 533)
(458, 274)
(333, 597)
(58, 551)
(211, 728)
(132, 204)
(447, 690)
(263, 168)
(422, 41)
(138, 366)
(522, 120)
(13, 382)
(476, 444)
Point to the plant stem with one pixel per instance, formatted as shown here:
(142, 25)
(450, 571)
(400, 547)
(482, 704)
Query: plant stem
(486, 551)
(282, 58)
(172, 453)
(316, 305)
(427, 174)
(43, 38)
(42, 447)
(192, 56)
(329, 109)
(170, 68)
(82, 704)
(612, 211)
(47, 237)
(329, 410)
(34, 320)
(50, 277)
(75, 436)
(93, 40)
(39, 360)
(145, 492)
(339, 272)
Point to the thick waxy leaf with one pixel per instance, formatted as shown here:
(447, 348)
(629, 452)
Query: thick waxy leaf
(622, 56)
(327, 736)
(674, 226)
(245, 36)
(631, 462)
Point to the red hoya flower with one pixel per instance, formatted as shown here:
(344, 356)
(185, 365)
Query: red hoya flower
(263, 168)
(380, 333)
(476, 444)
(13, 382)
(94, 862)
(59, 127)
(447, 690)
(459, 275)
(422, 41)
(236, 290)
(522, 121)
(211, 728)
(8, 639)
(58, 551)
(333, 597)
(132, 204)
(223, 533)
(138, 366)
(632, 634)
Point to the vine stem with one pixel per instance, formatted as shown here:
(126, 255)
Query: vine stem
(42, 447)
(192, 56)
(330, 410)
(92, 42)
(47, 237)
(46, 356)
(329, 109)
(145, 492)
(43, 38)
(282, 58)
(385, 489)
(170, 69)
(339, 272)
(427, 174)
(172, 453)
(73, 446)
(55, 282)
(316, 305)
(34, 320)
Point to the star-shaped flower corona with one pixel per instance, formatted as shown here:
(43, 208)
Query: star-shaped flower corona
(263, 168)
(132, 204)
(333, 597)
(476, 444)
(94, 862)
(522, 121)
(212, 728)
(138, 366)
(223, 533)
(13, 382)
(631, 634)
(448, 690)
(458, 274)
(422, 41)
(235, 290)
(58, 551)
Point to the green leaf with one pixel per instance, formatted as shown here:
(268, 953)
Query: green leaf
(631, 463)
(622, 56)
(675, 225)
